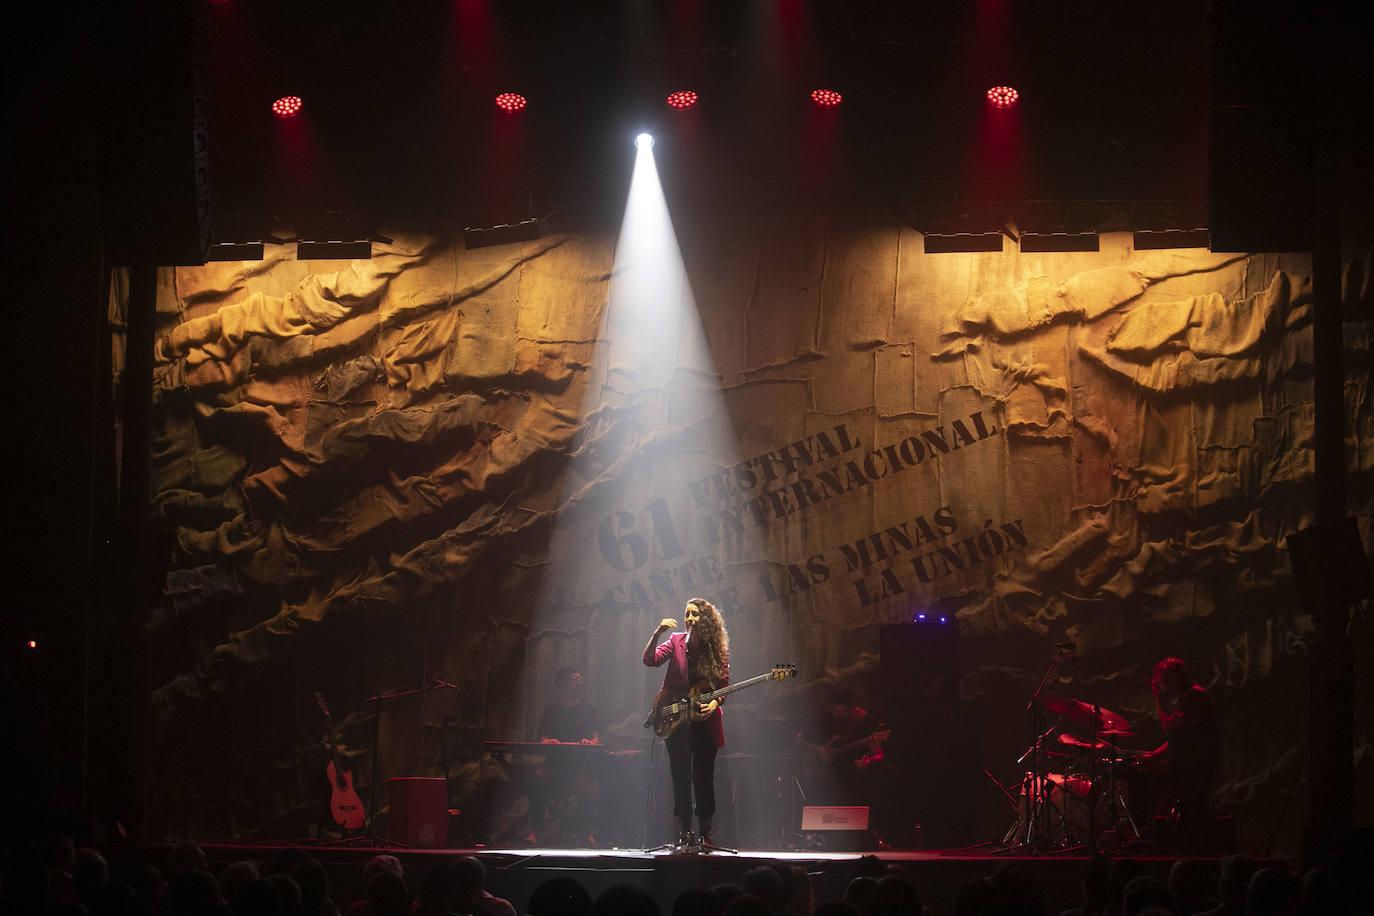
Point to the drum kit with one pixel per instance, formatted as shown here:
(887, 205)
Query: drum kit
(1073, 792)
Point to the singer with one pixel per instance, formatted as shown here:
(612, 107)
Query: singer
(701, 654)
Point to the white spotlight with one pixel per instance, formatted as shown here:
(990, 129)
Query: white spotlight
(644, 141)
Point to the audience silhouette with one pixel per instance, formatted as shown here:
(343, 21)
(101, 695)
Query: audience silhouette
(57, 877)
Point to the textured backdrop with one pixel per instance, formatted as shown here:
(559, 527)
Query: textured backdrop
(430, 466)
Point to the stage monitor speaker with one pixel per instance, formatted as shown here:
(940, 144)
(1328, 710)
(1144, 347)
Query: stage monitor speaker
(834, 817)
(419, 812)
(1329, 565)
(919, 663)
(837, 827)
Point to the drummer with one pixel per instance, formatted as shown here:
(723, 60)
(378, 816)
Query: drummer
(1191, 745)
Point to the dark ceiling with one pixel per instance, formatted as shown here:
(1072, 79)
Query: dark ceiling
(1114, 101)
(1119, 103)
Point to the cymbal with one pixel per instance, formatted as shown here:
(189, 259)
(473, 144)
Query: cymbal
(1074, 741)
(1081, 712)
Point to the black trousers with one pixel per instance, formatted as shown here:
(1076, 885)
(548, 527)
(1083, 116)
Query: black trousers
(692, 760)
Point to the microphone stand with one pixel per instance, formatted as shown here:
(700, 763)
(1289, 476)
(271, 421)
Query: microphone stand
(443, 763)
(371, 838)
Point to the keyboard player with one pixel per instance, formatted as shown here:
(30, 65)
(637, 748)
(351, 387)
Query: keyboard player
(565, 786)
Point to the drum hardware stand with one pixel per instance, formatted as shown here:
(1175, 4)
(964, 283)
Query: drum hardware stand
(1116, 804)
(1015, 803)
(1011, 799)
(1036, 811)
(1026, 832)
(1089, 839)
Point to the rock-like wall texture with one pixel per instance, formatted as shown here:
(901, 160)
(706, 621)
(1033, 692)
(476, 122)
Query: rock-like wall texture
(440, 464)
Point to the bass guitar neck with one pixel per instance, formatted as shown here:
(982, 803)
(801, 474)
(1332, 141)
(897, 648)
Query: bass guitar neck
(671, 710)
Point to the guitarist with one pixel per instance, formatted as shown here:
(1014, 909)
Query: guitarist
(842, 761)
(698, 658)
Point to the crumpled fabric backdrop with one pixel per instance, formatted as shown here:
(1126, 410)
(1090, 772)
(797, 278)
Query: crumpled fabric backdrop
(424, 466)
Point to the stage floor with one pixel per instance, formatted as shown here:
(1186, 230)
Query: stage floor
(513, 873)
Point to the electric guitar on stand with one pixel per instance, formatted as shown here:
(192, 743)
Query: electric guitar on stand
(671, 709)
(344, 804)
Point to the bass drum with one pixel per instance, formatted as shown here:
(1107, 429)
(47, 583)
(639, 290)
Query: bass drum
(1076, 805)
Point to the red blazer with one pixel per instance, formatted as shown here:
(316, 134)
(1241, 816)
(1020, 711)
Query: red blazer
(673, 651)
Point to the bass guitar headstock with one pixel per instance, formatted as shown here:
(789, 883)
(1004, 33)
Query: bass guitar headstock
(781, 672)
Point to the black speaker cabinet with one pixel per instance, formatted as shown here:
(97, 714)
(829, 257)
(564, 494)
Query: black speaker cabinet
(930, 744)
(920, 663)
(1329, 565)
(933, 750)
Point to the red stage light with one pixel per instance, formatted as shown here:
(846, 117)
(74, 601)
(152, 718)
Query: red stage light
(1003, 96)
(510, 102)
(286, 106)
(682, 99)
(827, 98)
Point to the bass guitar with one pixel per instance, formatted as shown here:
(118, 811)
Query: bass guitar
(344, 804)
(672, 708)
